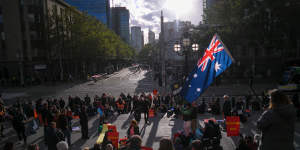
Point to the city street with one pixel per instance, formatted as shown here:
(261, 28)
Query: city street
(129, 80)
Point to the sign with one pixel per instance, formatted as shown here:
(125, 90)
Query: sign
(233, 126)
(151, 113)
(155, 92)
(112, 127)
(114, 138)
(40, 67)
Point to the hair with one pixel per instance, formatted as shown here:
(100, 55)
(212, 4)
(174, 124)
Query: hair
(135, 141)
(33, 147)
(109, 147)
(86, 148)
(62, 145)
(96, 147)
(133, 122)
(278, 98)
(197, 145)
(166, 144)
(8, 146)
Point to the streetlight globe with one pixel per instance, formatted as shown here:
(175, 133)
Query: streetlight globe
(177, 47)
(195, 47)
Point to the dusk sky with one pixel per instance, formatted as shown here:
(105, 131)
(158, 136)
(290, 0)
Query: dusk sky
(146, 13)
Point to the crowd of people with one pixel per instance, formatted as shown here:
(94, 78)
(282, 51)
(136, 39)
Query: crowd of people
(56, 115)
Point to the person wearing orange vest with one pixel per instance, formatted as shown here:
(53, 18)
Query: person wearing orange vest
(120, 104)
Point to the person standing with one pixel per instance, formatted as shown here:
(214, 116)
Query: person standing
(187, 117)
(226, 107)
(133, 129)
(277, 123)
(146, 106)
(18, 122)
(194, 117)
(2, 118)
(84, 123)
(63, 125)
(54, 136)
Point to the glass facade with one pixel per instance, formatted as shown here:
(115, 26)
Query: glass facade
(120, 22)
(97, 8)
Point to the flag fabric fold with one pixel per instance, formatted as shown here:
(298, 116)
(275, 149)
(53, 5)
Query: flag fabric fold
(215, 60)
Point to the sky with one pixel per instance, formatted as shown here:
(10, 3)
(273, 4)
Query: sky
(146, 13)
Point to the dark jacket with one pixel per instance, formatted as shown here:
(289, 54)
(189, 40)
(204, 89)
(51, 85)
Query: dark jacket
(53, 137)
(278, 127)
(227, 108)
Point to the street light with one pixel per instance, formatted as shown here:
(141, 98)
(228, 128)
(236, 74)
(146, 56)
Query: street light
(185, 51)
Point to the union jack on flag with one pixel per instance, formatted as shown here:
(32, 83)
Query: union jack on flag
(215, 60)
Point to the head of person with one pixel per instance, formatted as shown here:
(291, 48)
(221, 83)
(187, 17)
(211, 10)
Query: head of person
(96, 147)
(135, 141)
(197, 145)
(53, 124)
(62, 145)
(109, 147)
(86, 148)
(226, 97)
(166, 144)
(278, 99)
(33, 147)
(133, 123)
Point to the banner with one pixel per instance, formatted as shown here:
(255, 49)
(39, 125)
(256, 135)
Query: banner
(233, 126)
(114, 138)
(155, 92)
(112, 127)
(151, 113)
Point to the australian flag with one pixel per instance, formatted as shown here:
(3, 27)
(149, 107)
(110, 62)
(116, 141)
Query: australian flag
(215, 60)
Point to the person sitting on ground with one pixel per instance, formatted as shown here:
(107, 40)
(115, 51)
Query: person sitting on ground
(62, 145)
(109, 147)
(9, 146)
(135, 143)
(96, 147)
(166, 144)
(178, 144)
(277, 123)
(197, 145)
(33, 147)
(133, 129)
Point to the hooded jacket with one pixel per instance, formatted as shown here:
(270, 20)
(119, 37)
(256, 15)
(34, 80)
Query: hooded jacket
(278, 127)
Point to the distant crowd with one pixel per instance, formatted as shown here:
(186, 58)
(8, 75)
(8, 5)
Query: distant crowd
(56, 115)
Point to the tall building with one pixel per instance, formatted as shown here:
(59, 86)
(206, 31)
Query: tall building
(97, 8)
(151, 37)
(137, 38)
(24, 49)
(120, 22)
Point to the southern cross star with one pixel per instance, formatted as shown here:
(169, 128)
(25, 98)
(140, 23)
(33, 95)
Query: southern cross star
(195, 75)
(217, 66)
(198, 89)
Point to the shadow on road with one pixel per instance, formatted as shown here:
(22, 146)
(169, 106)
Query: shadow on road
(145, 85)
(126, 123)
(152, 135)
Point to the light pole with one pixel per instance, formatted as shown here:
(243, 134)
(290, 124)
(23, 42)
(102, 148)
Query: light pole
(186, 52)
(19, 55)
